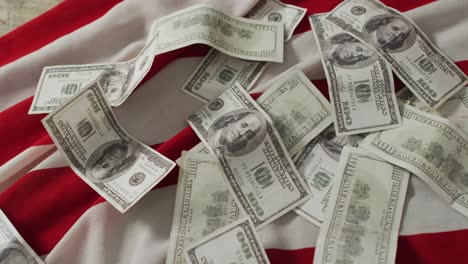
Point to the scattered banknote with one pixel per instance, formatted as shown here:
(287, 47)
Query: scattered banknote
(298, 109)
(425, 70)
(234, 243)
(317, 164)
(57, 84)
(251, 155)
(235, 36)
(360, 82)
(431, 148)
(99, 150)
(217, 71)
(203, 204)
(455, 109)
(13, 248)
(366, 204)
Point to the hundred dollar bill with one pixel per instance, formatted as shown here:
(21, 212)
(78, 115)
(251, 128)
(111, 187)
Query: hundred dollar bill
(250, 154)
(298, 109)
(366, 204)
(57, 84)
(13, 248)
(425, 70)
(217, 71)
(235, 36)
(101, 153)
(317, 164)
(203, 204)
(360, 82)
(455, 109)
(234, 243)
(431, 148)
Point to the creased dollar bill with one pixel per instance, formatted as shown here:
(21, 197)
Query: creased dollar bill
(13, 248)
(217, 71)
(235, 36)
(203, 24)
(57, 84)
(100, 152)
(203, 204)
(250, 154)
(431, 148)
(235, 243)
(425, 69)
(317, 163)
(298, 109)
(366, 204)
(455, 109)
(360, 82)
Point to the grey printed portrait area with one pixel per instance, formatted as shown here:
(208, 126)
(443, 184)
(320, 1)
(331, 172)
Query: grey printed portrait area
(341, 161)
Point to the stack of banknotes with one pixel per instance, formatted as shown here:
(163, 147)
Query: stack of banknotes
(343, 164)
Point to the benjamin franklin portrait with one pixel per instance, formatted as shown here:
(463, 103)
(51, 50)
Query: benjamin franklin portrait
(14, 253)
(111, 160)
(238, 132)
(114, 81)
(390, 33)
(348, 52)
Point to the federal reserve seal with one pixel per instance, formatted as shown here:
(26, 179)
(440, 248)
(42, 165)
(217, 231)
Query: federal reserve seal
(216, 104)
(136, 179)
(358, 10)
(274, 17)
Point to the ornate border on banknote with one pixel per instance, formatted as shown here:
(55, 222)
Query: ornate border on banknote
(408, 80)
(257, 248)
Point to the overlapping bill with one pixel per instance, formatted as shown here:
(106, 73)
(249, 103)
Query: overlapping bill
(235, 243)
(298, 109)
(238, 37)
(366, 204)
(235, 36)
(203, 204)
(250, 154)
(13, 248)
(317, 163)
(455, 109)
(100, 152)
(431, 148)
(217, 71)
(360, 82)
(425, 69)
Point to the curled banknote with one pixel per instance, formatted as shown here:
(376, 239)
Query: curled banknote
(430, 147)
(200, 24)
(217, 71)
(101, 153)
(360, 82)
(424, 69)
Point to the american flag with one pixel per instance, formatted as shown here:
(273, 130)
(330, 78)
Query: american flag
(65, 221)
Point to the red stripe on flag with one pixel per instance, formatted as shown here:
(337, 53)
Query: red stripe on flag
(46, 193)
(66, 17)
